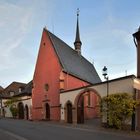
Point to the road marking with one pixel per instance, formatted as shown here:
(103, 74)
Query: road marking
(13, 135)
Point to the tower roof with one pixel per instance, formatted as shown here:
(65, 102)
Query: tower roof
(77, 42)
(72, 62)
(77, 38)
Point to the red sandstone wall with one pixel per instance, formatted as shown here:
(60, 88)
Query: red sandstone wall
(91, 111)
(71, 82)
(47, 71)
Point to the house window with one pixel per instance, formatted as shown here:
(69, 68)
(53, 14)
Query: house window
(12, 93)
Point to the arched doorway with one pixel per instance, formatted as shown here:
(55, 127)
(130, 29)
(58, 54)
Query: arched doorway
(69, 112)
(87, 105)
(26, 112)
(47, 110)
(20, 110)
(80, 110)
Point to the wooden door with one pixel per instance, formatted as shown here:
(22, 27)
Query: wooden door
(69, 113)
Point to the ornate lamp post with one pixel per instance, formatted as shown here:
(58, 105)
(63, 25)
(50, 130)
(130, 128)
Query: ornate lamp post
(104, 72)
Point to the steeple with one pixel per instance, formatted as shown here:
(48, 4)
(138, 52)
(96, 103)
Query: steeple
(77, 42)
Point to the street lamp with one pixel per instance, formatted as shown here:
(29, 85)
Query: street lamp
(104, 72)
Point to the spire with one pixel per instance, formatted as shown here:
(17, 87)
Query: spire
(77, 42)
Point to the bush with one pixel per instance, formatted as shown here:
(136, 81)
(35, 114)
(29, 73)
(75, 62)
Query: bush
(14, 111)
(119, 107)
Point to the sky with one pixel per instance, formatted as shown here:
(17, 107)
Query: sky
(106, 28)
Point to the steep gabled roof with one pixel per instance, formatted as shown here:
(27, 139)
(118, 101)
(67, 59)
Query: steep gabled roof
(26, 89)
(72, 62)
(13, 87)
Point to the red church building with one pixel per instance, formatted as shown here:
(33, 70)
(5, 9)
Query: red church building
(58, 68)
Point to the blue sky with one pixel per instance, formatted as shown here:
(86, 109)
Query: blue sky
(106, 29)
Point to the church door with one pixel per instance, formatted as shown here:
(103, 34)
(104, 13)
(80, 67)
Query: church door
(80, 111)
(69, 113)
(47, 111)
(20, 111)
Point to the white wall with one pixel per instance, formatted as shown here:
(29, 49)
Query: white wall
(115, 86)
(26, 100)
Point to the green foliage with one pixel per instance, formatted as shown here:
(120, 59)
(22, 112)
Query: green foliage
(12, 106)
(119, 107)
(11, 101)
(14, 111)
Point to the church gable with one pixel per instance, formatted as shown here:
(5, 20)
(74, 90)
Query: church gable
(47, 61)
(46, 73)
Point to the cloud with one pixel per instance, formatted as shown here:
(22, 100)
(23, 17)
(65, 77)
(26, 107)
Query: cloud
(14, 25)
(21, 23)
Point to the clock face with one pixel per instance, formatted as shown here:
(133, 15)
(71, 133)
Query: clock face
(46, 87)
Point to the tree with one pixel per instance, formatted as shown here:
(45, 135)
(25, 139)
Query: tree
(119, 107)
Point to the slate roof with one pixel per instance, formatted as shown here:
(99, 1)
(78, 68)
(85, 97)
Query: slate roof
(72, 62)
